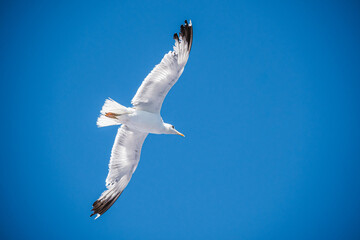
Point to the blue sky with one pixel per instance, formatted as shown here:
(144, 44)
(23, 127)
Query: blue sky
(269, 103)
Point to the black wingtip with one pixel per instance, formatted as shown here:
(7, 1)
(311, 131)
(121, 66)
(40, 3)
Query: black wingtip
(103, 204)
(186, 33)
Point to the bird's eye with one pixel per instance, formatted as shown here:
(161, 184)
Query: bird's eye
(172, 126)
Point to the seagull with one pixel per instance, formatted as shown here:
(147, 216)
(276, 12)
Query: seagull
(140, 119)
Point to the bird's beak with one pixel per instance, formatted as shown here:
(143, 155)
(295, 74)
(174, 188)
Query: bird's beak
(179, 133)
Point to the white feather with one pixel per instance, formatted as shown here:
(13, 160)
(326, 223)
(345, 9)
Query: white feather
(158, 83)
(111, 106)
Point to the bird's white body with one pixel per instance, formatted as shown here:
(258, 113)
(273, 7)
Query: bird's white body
(144, 121)
(141, 119)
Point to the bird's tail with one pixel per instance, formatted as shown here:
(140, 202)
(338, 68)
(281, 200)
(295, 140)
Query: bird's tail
(110, 113)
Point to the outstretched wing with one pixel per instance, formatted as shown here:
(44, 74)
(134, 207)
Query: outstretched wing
(124, 159)
(157, 84)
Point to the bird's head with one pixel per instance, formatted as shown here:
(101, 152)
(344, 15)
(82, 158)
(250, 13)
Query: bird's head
(170, 129)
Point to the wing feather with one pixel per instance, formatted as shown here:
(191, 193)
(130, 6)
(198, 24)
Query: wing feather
(158, 83)
(125, 156)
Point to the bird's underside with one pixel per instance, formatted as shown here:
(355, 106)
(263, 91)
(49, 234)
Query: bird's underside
(125, 154)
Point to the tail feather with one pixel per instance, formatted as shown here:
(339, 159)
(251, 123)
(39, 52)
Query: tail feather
(112, 106)
(109, 112)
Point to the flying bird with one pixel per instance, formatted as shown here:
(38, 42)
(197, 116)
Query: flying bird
(140, 119)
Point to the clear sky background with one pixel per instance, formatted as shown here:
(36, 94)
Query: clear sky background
(269, 103)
